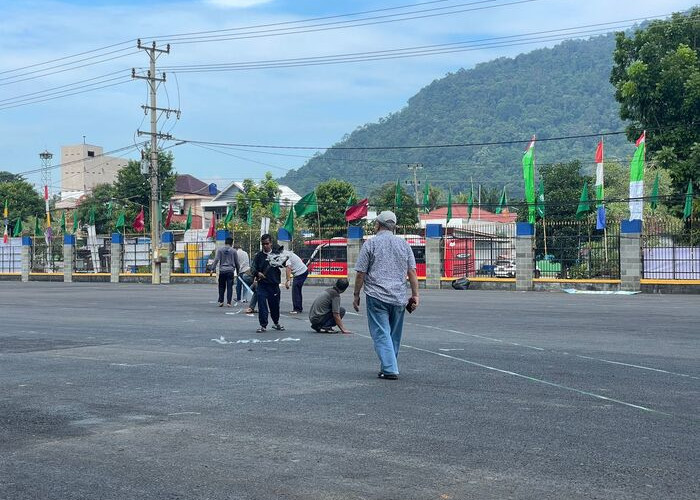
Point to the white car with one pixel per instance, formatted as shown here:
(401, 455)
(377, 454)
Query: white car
(504, 269)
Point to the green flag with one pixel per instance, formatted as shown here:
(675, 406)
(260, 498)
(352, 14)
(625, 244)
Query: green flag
(539, 205)
(426, 197)
(18, 228)
(637, 179)
(307, 205)
(584, 203)
(37, 228)
(229, 215)
(688, 209)
(398, 196)
(276, 210)
(249, 216)
(109, 209)
(502, 202)
(289, 223)
(470, 203)
(121, 221)
(63, 222)
(654, 202)
(75, 221)
(529, 176)
(91, 217)
(188, 223)
(449, 206)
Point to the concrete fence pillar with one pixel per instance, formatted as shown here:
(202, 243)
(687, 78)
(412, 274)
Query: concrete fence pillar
(433, 255)
(355, 239)
(116, 255)
(630, 255)
(524, 256)
(68, 254)
(26, 254)
(166, 266)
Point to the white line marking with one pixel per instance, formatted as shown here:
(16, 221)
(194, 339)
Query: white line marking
(636, 366)
(483, 337)
(448, 350)
(184, 413)
(222, 340)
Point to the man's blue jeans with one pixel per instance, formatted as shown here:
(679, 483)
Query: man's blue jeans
(385, 326)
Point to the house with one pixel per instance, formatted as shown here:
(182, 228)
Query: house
(460, 217)
(193, 193)
(227, 197)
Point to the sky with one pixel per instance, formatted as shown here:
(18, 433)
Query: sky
(65, 71)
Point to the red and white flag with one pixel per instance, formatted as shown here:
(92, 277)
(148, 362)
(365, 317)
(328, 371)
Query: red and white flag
(139, 223)
(358, 211)
(169, 217)
(212, 227)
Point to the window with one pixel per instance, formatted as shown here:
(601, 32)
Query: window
(91, 154)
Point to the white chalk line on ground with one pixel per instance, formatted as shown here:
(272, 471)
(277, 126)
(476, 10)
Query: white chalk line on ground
(533, 379)
(602, 360)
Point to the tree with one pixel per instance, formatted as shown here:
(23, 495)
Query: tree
(9, 177)
(332, 197)
(22, 200)
(98, 201)
(259, 196)
(383, 199)
(656, 75)
(132, 190)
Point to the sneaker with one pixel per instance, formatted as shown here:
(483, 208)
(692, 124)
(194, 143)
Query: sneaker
(316, 329)
(388, 376)
(229, 305)
(221, 304)
(277, 326)
(294, 312)
(261, 329)
(250, 311)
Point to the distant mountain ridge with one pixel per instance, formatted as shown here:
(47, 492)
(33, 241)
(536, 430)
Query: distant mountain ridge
(558, 92)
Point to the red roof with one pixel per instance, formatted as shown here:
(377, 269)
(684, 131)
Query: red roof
(196, 220)
(461, 212)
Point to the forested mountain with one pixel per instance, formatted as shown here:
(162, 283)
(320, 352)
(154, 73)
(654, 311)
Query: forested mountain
(562, 91)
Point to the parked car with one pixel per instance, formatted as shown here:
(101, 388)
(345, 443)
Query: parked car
(506, 269)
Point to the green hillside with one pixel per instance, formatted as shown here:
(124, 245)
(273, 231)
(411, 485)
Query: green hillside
(555, 92)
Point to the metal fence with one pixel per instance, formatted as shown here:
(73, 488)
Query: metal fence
(478, 249)
(671, 249)
(11, 256)
(193, 251)
(47, 255)
(92, 255)
(577, 250)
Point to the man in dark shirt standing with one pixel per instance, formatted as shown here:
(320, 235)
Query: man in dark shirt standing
(266, 267)
(227, 260)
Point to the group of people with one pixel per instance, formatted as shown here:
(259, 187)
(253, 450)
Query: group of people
(382, 267)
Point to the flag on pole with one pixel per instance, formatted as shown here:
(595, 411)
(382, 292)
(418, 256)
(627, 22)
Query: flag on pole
(188, 223)
(6, 222)
(229, 215)
(212, 227)
(139, 222)
(18, 228)
(426, 197)
(584, 203)
(502, 202)
(599, 186)
(529, 176)
(654, 202)
(63, 222)
(121, 221)
(307, 205)
(75, 221)
(289, 223)
(37, 229)
(109, 209)
(539, 204)
(91, 216)
(398, 196)
(249, 216)
(169, 217)
(358, 211)
(637, 179)
(276, 210)
(449, 206)
(688, 208)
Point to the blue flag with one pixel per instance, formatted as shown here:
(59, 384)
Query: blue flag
(600, 219)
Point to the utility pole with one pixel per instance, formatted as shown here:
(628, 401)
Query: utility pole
(153, 81)
(416, 167)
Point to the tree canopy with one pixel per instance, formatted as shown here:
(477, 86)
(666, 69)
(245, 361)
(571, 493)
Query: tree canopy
(22, 200)
(332, 197)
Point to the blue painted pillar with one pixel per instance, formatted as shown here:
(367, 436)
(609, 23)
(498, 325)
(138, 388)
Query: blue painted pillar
(355, 238)
(116, 257)
(68, 257)
(433, 255)
(26, 253)
(524, 256)
(630, 255)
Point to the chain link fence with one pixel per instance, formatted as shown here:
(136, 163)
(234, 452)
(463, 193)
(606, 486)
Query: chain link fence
(671, 249)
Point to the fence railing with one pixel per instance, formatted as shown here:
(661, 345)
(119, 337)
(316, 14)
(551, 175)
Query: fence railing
(47, 255)
(671, 249)
(92, 255)
(11, 256)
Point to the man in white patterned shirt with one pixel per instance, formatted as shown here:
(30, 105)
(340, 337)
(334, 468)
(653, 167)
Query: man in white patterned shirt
(382, 266)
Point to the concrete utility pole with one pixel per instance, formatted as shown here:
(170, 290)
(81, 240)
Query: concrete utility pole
(153, 82)
(416, 167)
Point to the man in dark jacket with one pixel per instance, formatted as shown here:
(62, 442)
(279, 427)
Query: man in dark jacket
(227, 260)
(266, 267)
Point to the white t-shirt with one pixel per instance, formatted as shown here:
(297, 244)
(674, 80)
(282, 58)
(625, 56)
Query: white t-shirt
(295, 264)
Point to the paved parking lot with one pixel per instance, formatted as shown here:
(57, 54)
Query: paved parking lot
(137, 391)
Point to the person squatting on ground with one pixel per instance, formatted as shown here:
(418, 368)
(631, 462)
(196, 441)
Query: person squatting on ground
(326, 312)
(243, 267)
(266, 267)
(297, 268)
(382, 266)
(227, 260)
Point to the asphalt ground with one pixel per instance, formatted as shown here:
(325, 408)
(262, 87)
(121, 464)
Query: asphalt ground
(152, 392)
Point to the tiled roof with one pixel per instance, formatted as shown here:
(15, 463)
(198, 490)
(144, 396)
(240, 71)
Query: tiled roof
(188, 184)
(460, 211)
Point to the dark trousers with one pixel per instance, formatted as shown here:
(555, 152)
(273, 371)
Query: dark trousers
(327, 320)
(268, 297)
(297, 284)
(226, 284)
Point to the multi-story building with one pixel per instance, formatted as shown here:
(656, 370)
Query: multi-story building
(84, 166)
